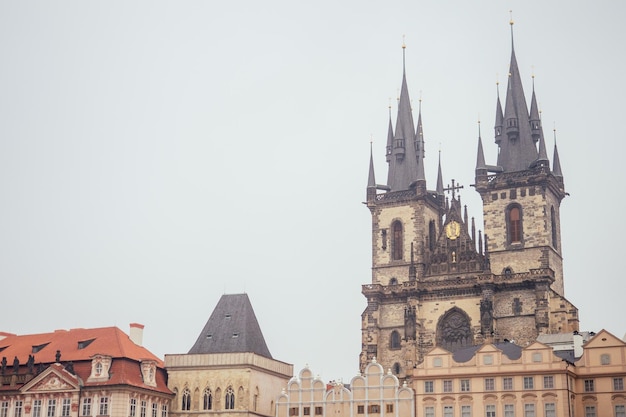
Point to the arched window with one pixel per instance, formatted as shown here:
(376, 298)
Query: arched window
(553, 225)
(207, 402)
(393, 281)
(229, 399)
(515, 224)
(397, 241)
(394, 341)
(185, 404)
(396, 368)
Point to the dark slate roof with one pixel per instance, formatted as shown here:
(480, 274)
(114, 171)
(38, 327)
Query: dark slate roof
(511, 350)
(232, 327)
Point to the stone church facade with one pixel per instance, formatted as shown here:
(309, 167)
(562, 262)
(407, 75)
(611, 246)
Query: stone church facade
(436, 279)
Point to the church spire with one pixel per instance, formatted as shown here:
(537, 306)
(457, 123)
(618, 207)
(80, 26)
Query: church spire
(517, 146)
(403, 159)
(556, 171)
(439, 178)
(419, 145)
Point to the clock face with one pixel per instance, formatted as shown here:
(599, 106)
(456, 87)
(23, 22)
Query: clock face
(453, 230)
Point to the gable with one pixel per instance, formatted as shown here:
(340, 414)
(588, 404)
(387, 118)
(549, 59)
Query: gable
(604, 339)
(53, 379)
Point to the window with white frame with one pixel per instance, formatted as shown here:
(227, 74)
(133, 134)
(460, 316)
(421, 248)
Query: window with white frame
(590, 411)
(589, 385)
(465, 385)
(155, 410)
(143, 407)
(620, 410)
(36, 408)
(4, 409)
(466, 411)
(490, 384)
(163, 410)
(509, 410)
(448, 411)
(19, 408)
(529, 410)
(104, 406)
(132, 412)
(429, 386)
(490, 410)
(52, 408)
(86, 409)
(550, 409)
(66, 407)
(429, 411)
(507, 383)
(618, 384)
(529, 382)
(548, 381)
(447, 385)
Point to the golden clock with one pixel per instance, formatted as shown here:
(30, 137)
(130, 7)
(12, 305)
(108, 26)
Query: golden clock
(453, 230)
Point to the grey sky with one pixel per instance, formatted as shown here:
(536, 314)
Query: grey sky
(155, 155)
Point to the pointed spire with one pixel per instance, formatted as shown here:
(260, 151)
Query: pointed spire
(480, 157)
(439, 178)
(499, 126)
(389, 148)
(556, 162)
(371, 179)
(403, 161)
(419, 144)
(517, 147)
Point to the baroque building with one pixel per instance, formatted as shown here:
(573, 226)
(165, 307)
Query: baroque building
(81, 372)
(229, 370)
(437, 281)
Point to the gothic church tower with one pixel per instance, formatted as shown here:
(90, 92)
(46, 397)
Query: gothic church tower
(434, 281)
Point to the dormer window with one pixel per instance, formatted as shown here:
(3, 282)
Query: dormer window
(100, 367)
(148, 372)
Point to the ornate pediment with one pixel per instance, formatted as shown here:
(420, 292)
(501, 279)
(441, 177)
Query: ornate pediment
(55, 378)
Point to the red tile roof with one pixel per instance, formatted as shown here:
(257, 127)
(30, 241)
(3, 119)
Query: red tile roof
(109, 341)
(78, 346)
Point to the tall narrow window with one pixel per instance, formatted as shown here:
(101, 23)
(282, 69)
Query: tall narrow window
(4, 409)
(229, 399)
(185, 403)
(515, 225)
(132, 412)
(86, 407)
(18, 409)
(66, 406)
(553, 226)
(394, 342)
(397, 241)
(207, 402)
(104, 406)
(37, 408)
(142, 409)
(52, 407)
(155, 410)
(432, 235)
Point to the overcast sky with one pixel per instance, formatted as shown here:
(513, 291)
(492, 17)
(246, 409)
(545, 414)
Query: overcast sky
(155, 155)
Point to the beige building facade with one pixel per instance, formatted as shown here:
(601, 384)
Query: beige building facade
(229, 371)
(507, 380)
(374, 393)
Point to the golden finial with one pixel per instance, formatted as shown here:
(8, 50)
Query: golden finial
(371, 139)
(420, 99)
(532, 67)
(511, 14)
(403, 44)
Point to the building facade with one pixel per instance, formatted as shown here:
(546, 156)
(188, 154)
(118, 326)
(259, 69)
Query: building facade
(229, 371)
(436, 280)
(81, 372)
(376, 392)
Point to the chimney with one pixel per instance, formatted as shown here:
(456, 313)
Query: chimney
(136, 333)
